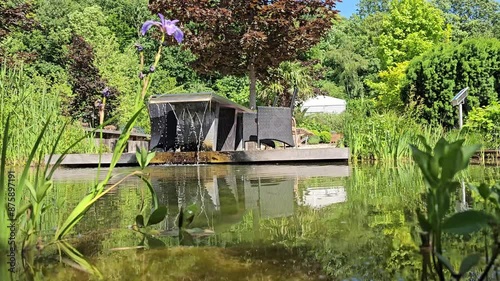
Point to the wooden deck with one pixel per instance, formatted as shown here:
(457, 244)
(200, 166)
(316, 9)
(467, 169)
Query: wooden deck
(490, 156)
(302, 154)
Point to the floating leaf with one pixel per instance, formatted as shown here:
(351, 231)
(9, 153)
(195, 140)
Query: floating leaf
(158, 215)
(468, 263)
(466, 222)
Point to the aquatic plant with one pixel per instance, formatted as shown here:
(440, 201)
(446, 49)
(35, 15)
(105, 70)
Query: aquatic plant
(30, 209)
(439, 166)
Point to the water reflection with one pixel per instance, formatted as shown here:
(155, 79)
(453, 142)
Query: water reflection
(355, 224)
(226, 193)
(322, 197)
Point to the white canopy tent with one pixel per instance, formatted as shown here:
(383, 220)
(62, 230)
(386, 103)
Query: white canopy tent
(324, 104)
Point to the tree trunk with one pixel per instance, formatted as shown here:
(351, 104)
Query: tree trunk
(253, 84)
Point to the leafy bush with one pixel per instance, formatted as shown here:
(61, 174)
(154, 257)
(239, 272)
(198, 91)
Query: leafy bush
(437, 76)
(325, 137)
(313, 140)
(323, 122)
(485, 120)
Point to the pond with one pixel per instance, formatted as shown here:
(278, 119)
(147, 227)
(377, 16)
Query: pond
(254, 222)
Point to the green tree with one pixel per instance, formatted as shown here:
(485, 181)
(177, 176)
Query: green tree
(348, 54)
(247, 37)
(437, 76)
(234, 88)
(470, 18)
(370, 7)
(387, 90)
(284, 80)
(410, 28)
(123, 18)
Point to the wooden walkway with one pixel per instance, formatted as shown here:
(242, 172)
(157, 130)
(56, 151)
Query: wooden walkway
(489, 156)
(331, 154)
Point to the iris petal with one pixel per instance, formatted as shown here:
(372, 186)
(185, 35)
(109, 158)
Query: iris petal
(147, 25)
(179, 35)
(170, 28)
(162, 20)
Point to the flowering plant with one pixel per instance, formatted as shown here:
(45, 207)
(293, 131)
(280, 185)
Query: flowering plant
(166, 27)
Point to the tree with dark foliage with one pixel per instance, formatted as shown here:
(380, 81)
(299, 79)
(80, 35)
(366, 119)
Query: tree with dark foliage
(248, 36)
(15, 17)
(87, 84)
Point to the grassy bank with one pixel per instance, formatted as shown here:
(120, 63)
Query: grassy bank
(33, 101)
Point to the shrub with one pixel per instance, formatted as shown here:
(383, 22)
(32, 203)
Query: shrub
(313, 140)
(485, 120)
(323, 122)
(325, 137)
(437, 76)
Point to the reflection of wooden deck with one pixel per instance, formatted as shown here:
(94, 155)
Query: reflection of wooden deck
(219, 157)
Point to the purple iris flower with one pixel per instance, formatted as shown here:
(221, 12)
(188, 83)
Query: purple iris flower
(139, 47)
(166, 26)
(141, 75)
(152, 68)
(106, 92)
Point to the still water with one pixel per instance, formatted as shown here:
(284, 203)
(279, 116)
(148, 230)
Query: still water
(254, 222)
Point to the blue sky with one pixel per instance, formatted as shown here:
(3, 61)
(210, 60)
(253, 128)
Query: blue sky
(347, 7)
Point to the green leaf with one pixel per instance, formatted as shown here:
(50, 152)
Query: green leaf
(158, 215)
(139, 158)
(24, 176)
(54, 147)
(423, 141)
(467, 153)
(469, 262)
(186, 239)
(3, 158)
(151, 190)
(23, 209)
(150, 157)
(422, 159)
(466, 222)
(31, 188)
(444, 261)
(139, 221)
(74, 217)
(450, 163)
(42, 192)
(154, 242)
(440, 148)
(77, 257)
(484, 191)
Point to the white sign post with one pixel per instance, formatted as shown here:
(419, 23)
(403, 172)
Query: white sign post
(459, 100)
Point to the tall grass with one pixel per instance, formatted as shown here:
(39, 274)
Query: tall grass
(387, 136)
(31, 101)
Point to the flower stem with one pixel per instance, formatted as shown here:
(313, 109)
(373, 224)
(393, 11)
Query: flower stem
(149, 77)
(101, 111)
